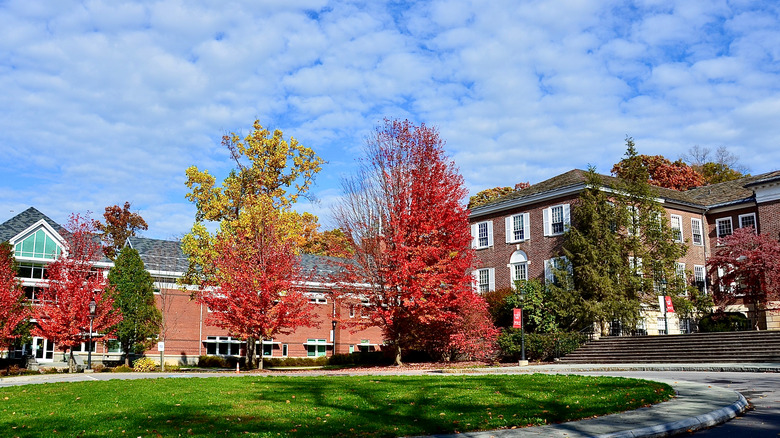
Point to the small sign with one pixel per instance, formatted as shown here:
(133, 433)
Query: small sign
(161, 346)
(517, 320)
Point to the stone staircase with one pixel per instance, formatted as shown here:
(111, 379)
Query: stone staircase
(745, 347)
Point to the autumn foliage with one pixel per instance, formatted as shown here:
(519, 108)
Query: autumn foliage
(663, 173)
(489, 195)
(750, 267)
(255, 289)
(120, 224)
(403, 215)
(74, 280)
(12, 309)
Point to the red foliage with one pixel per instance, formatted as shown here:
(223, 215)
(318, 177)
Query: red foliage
(63, 315)
(751, 266)
(120, 224)
(414, 244)
(256, 290)
(12, 308)
(664, 173)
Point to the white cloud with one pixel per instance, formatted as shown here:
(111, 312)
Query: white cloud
(102, 102)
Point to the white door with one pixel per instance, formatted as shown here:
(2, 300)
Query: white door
(43, 349)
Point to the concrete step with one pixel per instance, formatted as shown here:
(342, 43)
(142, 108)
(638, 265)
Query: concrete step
(695, 348)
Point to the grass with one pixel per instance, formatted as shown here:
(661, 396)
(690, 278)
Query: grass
(324, 406)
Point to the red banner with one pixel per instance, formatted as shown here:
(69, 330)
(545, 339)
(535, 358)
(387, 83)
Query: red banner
(517, 320)
(669, 306)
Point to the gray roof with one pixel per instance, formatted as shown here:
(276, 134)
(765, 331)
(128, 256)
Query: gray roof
(22, 221)
(714, 195)
(160, 255)
(167, 255)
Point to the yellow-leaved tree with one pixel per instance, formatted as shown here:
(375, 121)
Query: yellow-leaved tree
(253, 209)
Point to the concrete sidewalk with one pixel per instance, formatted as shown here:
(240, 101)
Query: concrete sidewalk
(696, 407)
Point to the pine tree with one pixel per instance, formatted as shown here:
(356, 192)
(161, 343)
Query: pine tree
(621, 247)
(134, 299)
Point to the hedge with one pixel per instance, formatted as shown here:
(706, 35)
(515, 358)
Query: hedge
(538, 346)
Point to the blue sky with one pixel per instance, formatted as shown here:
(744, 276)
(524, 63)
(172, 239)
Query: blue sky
(103, 102)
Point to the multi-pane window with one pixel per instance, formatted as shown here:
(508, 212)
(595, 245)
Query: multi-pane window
(316, 347)
(482, 234)
(222, 345)
(268, 348)
(32, 270)
(556, 219)
(318, 299)
(517, 228)
(676, 226)
(554, 268)
(696, 232)
(519, 271)
(37, 245)
(483, 276)
(700, 278)
(679, 269)
(747, 220)
(724, 227)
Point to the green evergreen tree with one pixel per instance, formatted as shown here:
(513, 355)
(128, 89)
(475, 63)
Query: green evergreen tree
(134, 297)
(621, 248)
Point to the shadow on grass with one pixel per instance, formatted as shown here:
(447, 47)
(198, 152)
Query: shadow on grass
(303, 406)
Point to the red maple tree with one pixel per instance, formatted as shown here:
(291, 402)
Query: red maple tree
(74, 280)
(405, 218)
(255, 290)
(664, 173)
(746, 267)
(12, 309)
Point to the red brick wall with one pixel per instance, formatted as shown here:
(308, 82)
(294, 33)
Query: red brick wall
(188, 324)
(769, 219)
(538, 248)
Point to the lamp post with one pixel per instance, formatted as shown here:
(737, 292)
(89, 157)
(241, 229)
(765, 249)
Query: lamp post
(92, 310)
(334, 337)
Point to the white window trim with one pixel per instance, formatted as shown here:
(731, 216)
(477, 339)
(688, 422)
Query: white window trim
(549, 271)
(636, 263)
(491, 279)
(755, 222)
(475, 235)
(510, 228)
(703, 270)
(547, 219)
(679, 269)
(679, 227)
(701, 232)
(717, 227)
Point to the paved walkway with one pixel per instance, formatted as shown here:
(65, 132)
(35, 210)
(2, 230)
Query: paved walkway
(696, 406)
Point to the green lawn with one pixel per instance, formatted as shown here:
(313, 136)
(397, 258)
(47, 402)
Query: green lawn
(313, 406)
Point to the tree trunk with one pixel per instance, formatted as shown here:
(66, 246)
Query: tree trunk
(398, 362)
(127, 359)
(250, 353)
(72, 362)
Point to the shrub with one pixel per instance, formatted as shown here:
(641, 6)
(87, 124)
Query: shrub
(50, 370)
(169, 367)
(724, 322)
(212, 362)
(538, 346)
(144, 365)
(360, 358)
(296, 361)
(99, 368)
(122, 369)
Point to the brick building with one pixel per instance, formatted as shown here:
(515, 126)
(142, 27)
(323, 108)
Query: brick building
(186, 331)
(519, 235)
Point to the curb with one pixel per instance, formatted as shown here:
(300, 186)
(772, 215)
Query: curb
(693, 424)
